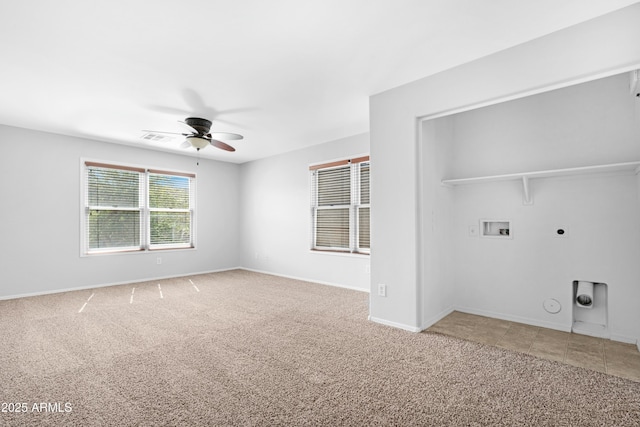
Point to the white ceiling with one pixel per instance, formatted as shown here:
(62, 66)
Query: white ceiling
(284, 73)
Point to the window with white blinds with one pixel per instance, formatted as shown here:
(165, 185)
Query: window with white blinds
(136, 209)
(170, 210)
(340, 206)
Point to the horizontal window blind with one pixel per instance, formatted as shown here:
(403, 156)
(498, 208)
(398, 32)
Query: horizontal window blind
(332, 228)
(169, 191)
(114, 208)
(334, 186)
(113, 187)
(364, 184)
(170, 228)
(114, 229)
(363, 210)
(363, 229)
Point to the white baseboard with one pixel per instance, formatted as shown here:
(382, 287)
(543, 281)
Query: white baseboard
(395, 324)
(625, 339)
(435, 319)
(104, 285)
(147, 279)
(542, 324)
(337, 285)
(512, 318)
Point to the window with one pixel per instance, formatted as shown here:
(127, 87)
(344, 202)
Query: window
(340, 206)
(136, 209)
(170, 210)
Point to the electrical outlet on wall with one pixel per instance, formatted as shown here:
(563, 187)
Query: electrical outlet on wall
(382, 290)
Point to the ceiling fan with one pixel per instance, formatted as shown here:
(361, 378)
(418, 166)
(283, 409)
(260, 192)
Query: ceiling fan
(202, 135)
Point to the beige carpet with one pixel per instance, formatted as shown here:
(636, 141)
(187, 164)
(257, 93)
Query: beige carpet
(241, 348)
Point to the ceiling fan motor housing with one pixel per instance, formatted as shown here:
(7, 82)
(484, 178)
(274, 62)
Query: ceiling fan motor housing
(201, 125)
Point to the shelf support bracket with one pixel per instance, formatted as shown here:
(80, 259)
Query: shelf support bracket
(527, 200)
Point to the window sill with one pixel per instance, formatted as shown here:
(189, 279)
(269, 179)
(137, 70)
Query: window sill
(173, 248)
(340, 253)
(139, 251)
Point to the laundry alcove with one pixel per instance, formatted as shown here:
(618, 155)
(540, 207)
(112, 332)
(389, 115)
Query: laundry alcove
(560, 171)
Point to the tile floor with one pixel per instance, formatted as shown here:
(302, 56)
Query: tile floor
(611, 357)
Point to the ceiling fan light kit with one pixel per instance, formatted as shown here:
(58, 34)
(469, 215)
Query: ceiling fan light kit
(197, 142)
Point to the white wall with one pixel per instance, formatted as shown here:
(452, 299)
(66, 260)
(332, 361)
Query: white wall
(275, 217)
(436, 262)
(588, 124)
(40, 193)
(510, 278)
(596, 48)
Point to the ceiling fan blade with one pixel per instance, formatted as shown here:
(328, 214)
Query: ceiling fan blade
(185, 144)
(221, 145)
(225, 135)
(194, 130)
(168, 133)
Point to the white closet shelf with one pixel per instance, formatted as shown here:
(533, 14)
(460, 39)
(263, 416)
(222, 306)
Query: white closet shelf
(613, 167)
(525, 176)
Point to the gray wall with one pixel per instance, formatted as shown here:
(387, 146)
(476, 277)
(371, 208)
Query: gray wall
(437, 265)
(275, 217)
(40, 192)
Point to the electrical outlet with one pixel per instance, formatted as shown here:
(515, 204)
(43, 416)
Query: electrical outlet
(158, 260)
(382, 290)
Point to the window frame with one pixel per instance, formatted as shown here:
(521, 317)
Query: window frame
(361, 205)
(190, 210)
(354, 164)
(144, 209)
